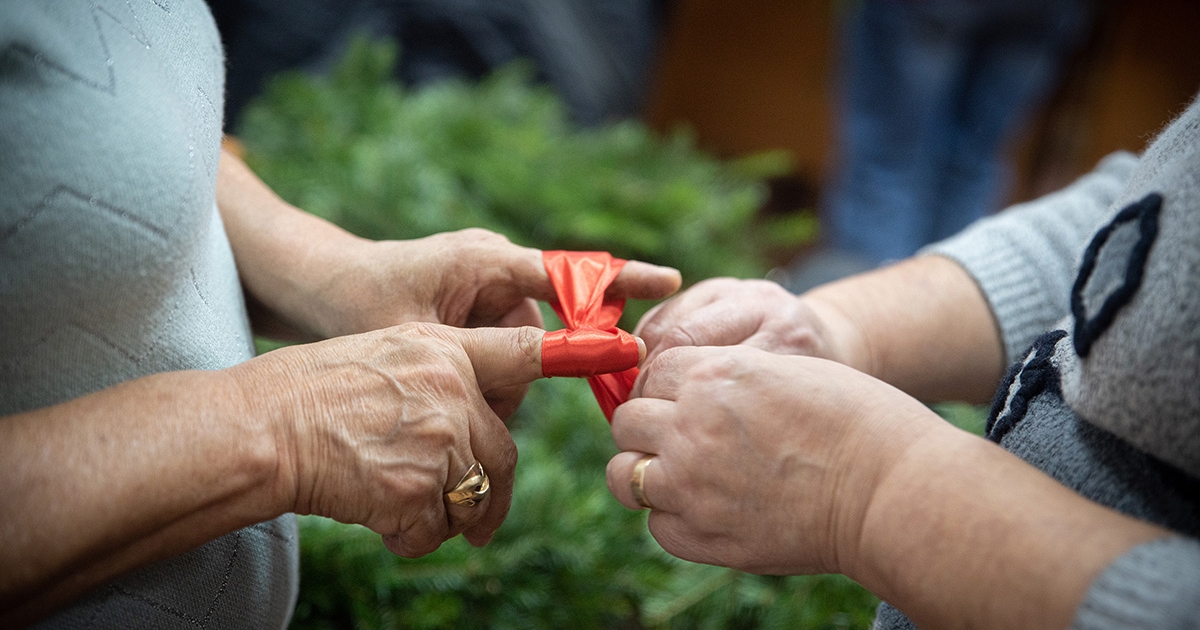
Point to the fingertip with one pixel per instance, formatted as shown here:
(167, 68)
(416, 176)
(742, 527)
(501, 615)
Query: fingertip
(641, 345)
(645, 280)
(675, 277)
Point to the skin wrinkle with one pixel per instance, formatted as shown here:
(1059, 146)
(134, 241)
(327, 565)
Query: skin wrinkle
(681, 337)
(258, 405)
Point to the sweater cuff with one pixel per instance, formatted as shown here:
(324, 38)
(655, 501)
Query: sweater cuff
(1154, 585)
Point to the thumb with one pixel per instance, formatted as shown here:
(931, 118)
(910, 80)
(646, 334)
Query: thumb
(504, 357)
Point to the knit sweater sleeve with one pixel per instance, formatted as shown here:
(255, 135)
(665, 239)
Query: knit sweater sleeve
(1024, 258)
(1153, 585)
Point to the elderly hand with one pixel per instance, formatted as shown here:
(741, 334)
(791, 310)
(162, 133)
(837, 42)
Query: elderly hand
(762, 462)
(756, 313)
(470, 278)
(374, 428)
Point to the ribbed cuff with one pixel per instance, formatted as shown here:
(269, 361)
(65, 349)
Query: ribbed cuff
(1154, 585)
(1022, 305)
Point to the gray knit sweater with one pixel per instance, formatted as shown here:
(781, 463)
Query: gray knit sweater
(1096, 291)
(114, 263)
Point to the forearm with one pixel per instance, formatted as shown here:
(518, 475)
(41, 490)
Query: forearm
(121, 478)
(922, 325)
(960, 533)
(279, 250)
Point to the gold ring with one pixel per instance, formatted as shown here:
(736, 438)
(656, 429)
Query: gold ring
(637, 483)
(471, 489)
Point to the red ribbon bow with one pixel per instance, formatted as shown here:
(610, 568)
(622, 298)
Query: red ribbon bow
(591, 345)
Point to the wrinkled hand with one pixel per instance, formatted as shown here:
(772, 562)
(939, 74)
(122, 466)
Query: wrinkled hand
(468, 278)
(764, 463)
(374, 428)
(756, 313)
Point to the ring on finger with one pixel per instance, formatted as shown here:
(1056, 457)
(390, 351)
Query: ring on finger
(471, 489)
(637, 482)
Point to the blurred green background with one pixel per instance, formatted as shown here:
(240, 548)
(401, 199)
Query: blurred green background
(383, 162)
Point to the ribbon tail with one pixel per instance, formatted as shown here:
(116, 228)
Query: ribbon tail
(612, 389)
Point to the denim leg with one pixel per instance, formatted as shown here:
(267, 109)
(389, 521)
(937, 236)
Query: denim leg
(1016, 58)
(931, 92)
(899, 77)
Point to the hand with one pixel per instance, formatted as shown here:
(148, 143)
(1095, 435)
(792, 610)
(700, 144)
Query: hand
(374, 428)
(467, 278)
(764, 463)
(756, 313)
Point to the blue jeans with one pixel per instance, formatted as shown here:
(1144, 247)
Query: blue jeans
(932, 90)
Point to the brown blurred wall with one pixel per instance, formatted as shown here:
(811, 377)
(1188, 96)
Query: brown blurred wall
(761, 75)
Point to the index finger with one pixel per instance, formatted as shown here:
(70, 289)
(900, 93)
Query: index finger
(663, 376)
(662, 322)
(636, 280)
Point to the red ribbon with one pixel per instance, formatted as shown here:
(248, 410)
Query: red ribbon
(591, 345)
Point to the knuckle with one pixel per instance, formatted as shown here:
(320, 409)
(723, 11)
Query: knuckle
(417, 329)
(529, 342)
(799, 340)
(414, 546)
(720, 365)
(714, 285)
(479, 234)
(681, 335)
(445, 378)
(507, 457)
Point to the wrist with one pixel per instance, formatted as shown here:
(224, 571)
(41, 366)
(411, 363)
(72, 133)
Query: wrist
(887, 470)
(293, 265)
(270, 445)
(843, 338)
(961, 532)
(330, 284)
(901, 497)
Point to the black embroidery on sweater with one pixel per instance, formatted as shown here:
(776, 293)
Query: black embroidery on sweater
(1037, 375)
(1088, 329)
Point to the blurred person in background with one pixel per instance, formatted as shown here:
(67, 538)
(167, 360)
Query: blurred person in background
(596, 53)
(931, 91)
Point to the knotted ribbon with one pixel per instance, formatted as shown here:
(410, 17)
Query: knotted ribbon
(591, 345)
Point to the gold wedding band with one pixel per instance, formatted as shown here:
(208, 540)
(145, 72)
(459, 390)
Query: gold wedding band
(471, 489)
(637, 482)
